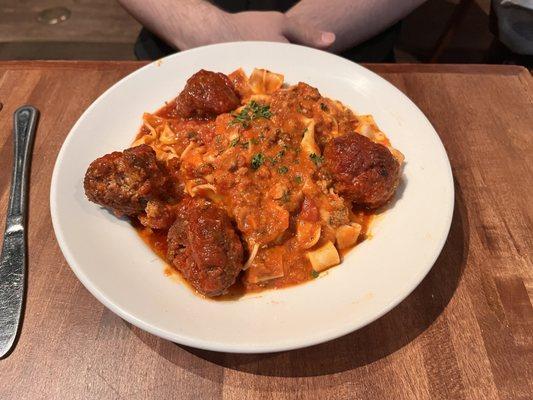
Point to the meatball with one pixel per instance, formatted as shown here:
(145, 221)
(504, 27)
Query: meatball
(363, 171)
(300, 98)
(207, 94)
(204, 247)
(125, 181)
(158, 215)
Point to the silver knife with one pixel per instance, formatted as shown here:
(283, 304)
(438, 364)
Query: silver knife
(13, 258)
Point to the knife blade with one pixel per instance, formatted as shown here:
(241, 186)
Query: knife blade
(13, 257)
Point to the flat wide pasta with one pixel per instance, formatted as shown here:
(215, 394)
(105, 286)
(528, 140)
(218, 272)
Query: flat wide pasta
(288, 179)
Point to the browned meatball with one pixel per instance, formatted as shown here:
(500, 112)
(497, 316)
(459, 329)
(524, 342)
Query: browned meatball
(296, 99)
(204, 247)
(158, 215)
(125, 181)
(207, 94)
(363, 171)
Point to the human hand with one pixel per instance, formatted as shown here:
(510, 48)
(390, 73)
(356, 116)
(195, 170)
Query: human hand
(254, 25)
(297, 30)
(263, 26)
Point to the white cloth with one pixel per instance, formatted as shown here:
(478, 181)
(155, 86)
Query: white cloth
(520, 3)
(515, 24)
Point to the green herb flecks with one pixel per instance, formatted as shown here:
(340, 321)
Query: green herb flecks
(283, 170)
(286, 196)
(234, 141)
(314, 274)
(316, 159)
(298, 179)
(251, 112)
(257, 160)
(277, 158)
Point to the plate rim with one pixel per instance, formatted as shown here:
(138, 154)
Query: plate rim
(327, 334)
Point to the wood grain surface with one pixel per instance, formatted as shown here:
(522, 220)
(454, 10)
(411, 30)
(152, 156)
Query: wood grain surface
(90, 21)
(465, 333)
(95, 30)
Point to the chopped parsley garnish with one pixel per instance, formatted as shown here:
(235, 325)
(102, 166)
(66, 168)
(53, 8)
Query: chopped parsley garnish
(254, 141)
(245, 145)
(250, 112)
(257, 160)
(283, 169)
(298, 179)
(316, 159)
(277, 158)
(234, 141)
(323, 107)
(314, 274)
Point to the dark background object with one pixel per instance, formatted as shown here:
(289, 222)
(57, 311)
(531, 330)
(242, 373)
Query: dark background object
(447, 31)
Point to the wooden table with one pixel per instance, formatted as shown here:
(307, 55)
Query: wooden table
(94, 29)
(465, 333)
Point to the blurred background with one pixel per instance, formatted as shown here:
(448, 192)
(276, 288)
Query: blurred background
(443, 31)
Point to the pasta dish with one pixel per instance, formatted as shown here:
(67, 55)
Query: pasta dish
(247, 182)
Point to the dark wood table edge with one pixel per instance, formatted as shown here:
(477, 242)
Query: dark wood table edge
(385, 68)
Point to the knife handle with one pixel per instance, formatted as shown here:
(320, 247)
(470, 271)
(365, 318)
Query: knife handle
(24, 123)
(13, 256)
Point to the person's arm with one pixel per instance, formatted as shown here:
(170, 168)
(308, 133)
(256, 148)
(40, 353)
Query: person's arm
(182, 24)
(185, 24)
(352, 21)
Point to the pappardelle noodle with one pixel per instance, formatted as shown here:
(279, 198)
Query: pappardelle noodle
(247, 182)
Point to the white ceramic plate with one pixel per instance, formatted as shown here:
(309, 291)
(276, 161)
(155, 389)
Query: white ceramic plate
(125, 275)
